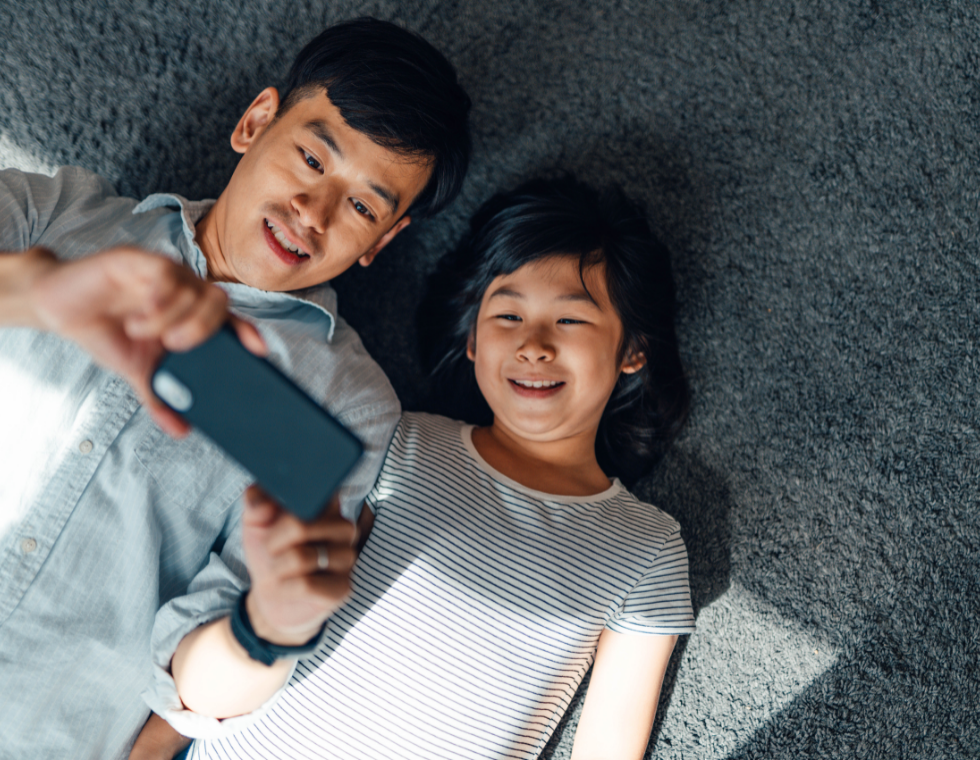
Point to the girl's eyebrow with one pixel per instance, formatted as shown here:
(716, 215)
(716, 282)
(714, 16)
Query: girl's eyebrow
(506, 292)
(579, 296)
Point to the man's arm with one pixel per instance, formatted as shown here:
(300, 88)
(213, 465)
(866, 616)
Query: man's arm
(125, 306)
(291, 596)
(157, 741)
(621, 702)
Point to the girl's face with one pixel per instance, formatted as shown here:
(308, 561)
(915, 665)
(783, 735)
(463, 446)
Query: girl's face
(546, 351)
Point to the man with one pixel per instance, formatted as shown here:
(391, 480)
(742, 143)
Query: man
(103, 517)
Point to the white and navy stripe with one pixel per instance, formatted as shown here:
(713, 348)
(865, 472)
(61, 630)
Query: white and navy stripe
(477, 610)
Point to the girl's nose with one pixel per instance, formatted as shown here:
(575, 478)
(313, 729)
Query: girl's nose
(536, 348)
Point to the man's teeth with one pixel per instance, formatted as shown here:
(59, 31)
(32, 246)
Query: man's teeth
(538, 383)
(283, 240)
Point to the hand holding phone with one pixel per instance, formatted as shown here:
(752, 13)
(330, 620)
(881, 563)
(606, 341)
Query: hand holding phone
(262, 419)
(300, 571)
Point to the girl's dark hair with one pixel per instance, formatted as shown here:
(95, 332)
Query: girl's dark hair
(391, 85)
(564, 217)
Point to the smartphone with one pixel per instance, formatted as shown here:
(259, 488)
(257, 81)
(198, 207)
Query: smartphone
(295, 450)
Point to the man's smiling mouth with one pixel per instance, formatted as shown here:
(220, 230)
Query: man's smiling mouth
(284, 241)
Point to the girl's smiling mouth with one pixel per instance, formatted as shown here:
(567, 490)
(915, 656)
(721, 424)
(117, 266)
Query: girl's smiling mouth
(536, 388)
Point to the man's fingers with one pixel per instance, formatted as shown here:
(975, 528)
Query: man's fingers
(162, 311)
(249, 336)
(315, 558)
(168, 420)
(260, 510)
(330, 587)
(209, 312)
(290, 531)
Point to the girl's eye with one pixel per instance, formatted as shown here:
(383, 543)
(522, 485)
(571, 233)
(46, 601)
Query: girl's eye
(363, 210)
(509, 317)
(310, 161)
(567, 321)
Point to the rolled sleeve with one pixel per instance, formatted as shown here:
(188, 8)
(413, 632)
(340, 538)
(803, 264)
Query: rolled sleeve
(212, 594)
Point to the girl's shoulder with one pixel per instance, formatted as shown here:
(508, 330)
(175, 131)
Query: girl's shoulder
(421, 437)
(430, 429)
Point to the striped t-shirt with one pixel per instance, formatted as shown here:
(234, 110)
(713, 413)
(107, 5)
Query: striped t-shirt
(477, 607)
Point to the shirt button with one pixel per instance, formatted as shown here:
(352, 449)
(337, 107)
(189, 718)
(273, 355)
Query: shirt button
(85, 446)
(28, 545)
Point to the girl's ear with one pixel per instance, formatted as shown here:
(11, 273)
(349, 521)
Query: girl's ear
(471, 346)
(634, 361)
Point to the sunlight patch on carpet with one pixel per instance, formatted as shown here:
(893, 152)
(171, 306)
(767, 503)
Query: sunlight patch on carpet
(745, 663)
(12, 156)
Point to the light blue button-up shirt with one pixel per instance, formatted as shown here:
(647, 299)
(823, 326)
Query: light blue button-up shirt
(103, 517)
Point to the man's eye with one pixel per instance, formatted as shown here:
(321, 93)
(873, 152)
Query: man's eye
(310, 161)
(363, 210)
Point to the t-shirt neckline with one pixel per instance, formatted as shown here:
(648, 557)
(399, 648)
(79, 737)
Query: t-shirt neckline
(466, 433)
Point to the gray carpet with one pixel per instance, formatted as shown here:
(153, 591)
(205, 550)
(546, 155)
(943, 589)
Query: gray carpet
(813, 168)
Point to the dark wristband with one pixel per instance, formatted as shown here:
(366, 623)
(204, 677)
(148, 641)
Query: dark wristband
(258, 648)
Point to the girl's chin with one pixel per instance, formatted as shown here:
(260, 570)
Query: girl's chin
(539, 430)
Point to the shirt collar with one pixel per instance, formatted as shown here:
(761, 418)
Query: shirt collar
(244, 298)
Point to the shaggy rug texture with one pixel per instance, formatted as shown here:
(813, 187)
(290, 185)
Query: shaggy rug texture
(812, 167)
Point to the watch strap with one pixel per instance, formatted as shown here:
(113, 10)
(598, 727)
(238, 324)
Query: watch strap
(258, 648)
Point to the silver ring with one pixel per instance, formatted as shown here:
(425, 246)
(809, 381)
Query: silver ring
(322, 558)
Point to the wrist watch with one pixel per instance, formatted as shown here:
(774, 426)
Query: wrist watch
(258, 648)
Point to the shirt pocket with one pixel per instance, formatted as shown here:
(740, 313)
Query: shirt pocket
(191, 473)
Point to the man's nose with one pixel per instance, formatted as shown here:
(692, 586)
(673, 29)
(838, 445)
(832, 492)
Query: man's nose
(315, 209)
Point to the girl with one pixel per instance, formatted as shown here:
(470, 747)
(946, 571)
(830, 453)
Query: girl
(506, 558)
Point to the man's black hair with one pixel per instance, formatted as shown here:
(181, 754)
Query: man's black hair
(394, 87)
(566, 218)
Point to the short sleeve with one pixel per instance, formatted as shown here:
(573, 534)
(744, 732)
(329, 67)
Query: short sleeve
(660, 602)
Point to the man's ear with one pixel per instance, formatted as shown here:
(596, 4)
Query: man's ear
(256, 118)
(471, 346)
(367, 258)
(634, 361)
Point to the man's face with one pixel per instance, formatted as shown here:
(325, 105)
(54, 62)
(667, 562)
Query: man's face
(310, 196)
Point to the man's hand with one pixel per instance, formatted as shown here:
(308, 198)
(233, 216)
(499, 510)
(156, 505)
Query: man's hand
(126, 307)
(300, 571)
(290, 597)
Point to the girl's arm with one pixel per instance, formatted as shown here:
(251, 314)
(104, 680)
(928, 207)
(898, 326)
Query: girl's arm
(623, 694)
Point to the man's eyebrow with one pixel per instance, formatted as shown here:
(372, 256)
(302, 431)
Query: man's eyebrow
(391, 199)
(322, 132)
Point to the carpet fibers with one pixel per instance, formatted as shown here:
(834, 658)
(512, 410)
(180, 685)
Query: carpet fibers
(813, 168)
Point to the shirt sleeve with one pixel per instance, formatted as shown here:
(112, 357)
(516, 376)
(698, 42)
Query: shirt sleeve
(660, 602)
(211, 595)
(29, 203)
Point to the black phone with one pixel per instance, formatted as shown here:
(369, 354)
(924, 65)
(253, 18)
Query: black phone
(292, 446)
